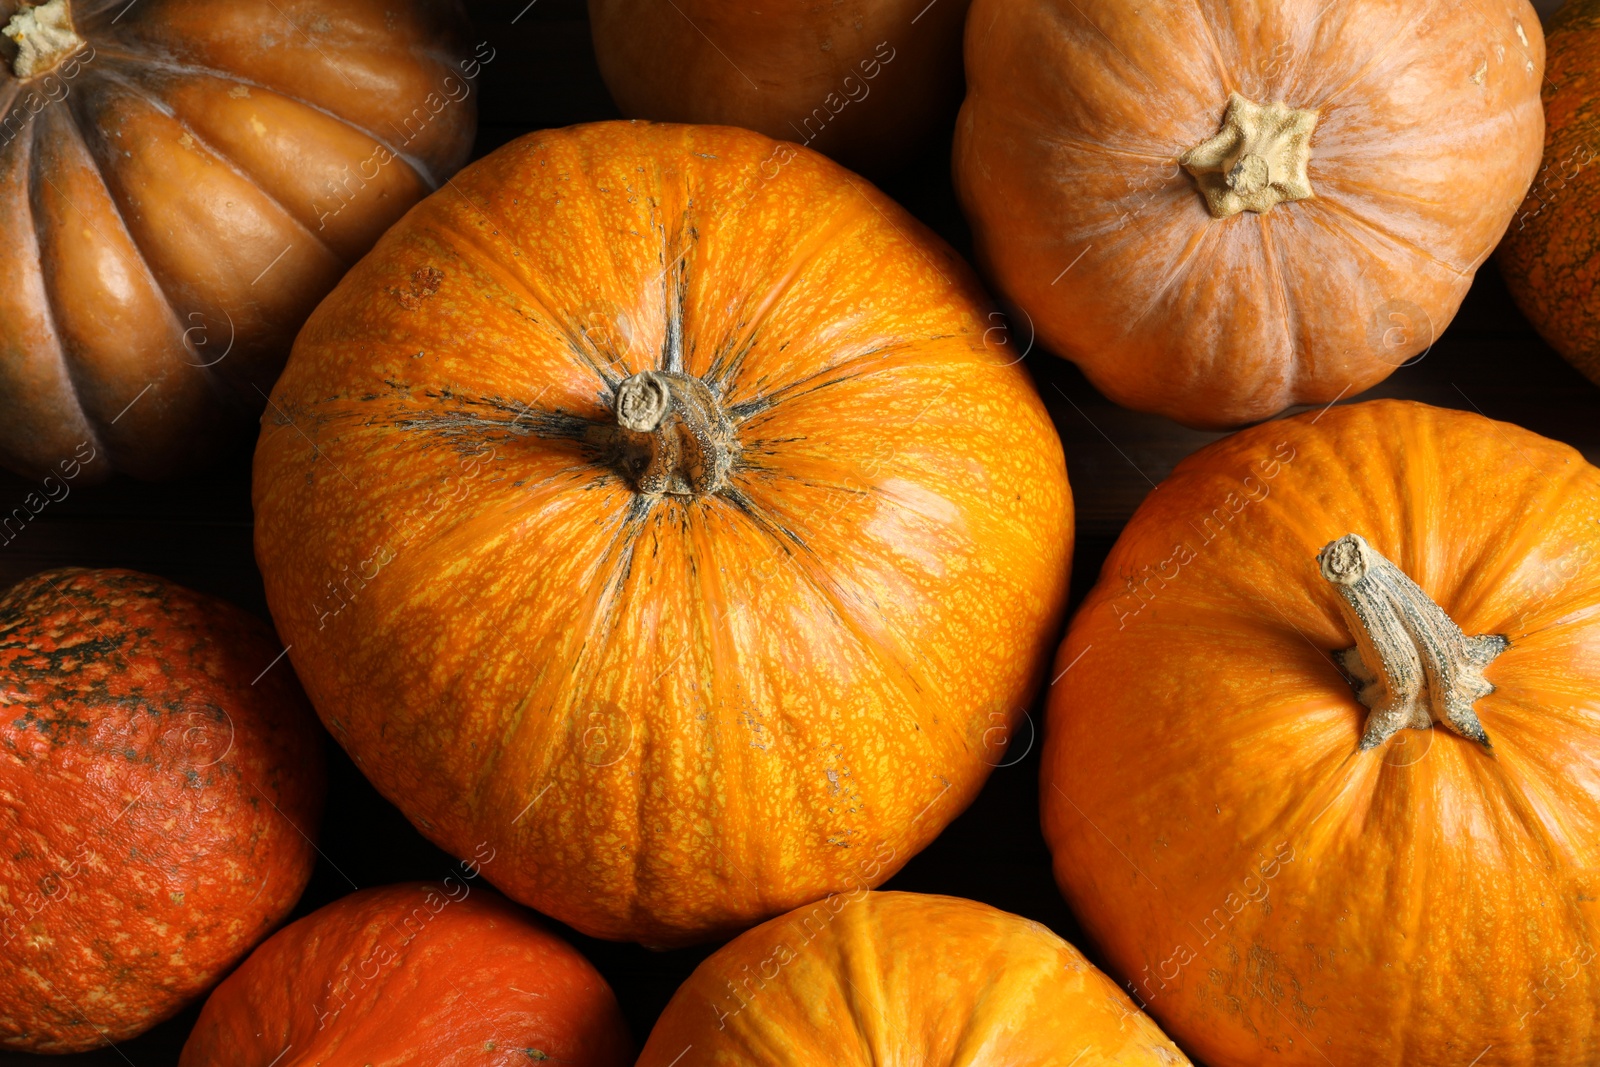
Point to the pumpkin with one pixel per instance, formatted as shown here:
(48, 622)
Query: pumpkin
(875, 978)
(1551, 254)
(1322, 775)
(662, 507)
(868, 82)
(1223, 208)
(441, 974)
(181, 181)
(159, 783)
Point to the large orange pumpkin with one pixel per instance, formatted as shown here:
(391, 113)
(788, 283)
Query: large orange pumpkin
(1322, 775)
(420, 975)
(159, 783)
(900, 978)
(658, 507)
(867, 82)
(180, 182)
(1551, 254)
(1221, 208)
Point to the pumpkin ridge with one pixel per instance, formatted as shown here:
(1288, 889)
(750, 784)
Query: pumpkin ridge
(913, 688)
(844, 372)
(135, 259)
(1203, 239)
(155, 62)
(1360, 220)
(462, 244)
(816, 240)
(1223, 74)
(1518, 766)
(70, 371)
(1391, 42)
(1288, 382)
(132, 84)
(1548, 495)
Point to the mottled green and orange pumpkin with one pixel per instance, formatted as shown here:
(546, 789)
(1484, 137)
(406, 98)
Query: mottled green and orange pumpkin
(160, 785)
(1551, 254)
(662, 506)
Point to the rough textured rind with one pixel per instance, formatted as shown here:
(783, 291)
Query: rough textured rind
(1551, 254)
(866, 979)
(671, 716)
(1428, 132)
(1270, 891)
(444, 974)
(178, 193)
(158, 799)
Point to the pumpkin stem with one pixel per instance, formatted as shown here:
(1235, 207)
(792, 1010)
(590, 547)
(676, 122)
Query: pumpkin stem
(1413, 663)
(675, 436)
(1257, 161)
(45, 38)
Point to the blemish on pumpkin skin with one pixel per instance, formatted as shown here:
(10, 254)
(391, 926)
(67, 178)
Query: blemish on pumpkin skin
(424, 283)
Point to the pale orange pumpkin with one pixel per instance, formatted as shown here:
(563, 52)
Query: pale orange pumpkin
(660, 506)
(181, 181)
(1222, 208)
(1322, 772)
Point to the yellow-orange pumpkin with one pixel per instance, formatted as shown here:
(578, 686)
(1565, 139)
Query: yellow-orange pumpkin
(180, 182)
(657, 506)
(1246, 805)
(1221, 208)
(1551, 254)
(865, 81)
(902, 978)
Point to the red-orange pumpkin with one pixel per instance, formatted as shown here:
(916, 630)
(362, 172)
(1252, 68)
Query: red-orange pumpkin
(159, 790)
(660, 505)
(419, 975)
(1221, 208)
(181, 181)
(1322, 772)
(867, 82)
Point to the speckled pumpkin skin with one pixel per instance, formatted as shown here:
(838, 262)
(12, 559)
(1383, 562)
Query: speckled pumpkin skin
(155, 806)
(444, 974)
(1551, 254)
(671, 716)
(866, 979)
(1272, 893)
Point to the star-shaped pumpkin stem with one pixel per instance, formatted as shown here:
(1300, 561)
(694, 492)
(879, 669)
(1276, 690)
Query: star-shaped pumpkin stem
(44, 36)
(1415, 666)
(1258, 160)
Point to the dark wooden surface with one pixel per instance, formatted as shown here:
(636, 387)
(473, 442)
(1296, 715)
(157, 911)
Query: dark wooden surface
(198, 532)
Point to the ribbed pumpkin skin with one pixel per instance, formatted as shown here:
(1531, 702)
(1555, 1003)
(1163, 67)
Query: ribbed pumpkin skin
(901, 978)
(1551, 254)
(175, 204)
(671, 716)
(1067, 165)
(1272, 893)
(155, 805)
(863, 81)
(416, 975)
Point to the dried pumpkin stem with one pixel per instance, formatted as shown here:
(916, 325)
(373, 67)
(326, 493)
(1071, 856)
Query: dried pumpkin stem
(1415, 665)
(45, 38)
(676, 438)
(1259, 158)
